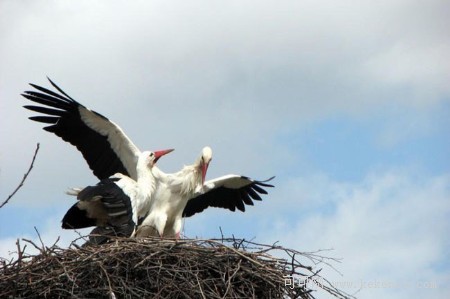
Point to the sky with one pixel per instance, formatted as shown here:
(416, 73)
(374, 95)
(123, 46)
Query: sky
(347, 103)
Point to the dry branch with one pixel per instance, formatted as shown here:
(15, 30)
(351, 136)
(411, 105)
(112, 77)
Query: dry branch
(149, 268)
(23, 179)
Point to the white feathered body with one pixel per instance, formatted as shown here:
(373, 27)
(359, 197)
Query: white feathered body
(170, 198)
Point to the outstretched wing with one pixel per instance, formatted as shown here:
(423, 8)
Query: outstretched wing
(105, 206)
(104, 145)
(229, 192)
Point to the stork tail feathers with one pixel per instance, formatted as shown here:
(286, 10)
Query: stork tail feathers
(73, 191)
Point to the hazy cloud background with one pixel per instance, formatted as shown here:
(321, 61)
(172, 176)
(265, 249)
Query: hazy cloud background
(346, 102)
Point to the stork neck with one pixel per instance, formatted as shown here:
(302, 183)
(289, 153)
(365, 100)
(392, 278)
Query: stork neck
(145, 182)
(191, 179)
(144, 174)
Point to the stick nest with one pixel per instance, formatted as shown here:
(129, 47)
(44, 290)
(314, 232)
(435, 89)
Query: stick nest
(154, 268)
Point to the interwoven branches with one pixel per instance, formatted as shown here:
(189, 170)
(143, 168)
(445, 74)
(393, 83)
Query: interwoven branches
(154, 268)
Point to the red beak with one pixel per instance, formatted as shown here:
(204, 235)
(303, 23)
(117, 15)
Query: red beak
(159, 154)
(204, 170)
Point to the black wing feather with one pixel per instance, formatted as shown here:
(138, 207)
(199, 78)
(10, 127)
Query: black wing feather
(95, 148)
(261, 190)
(254, 195)
(227, 198)
(52, 93)
(59, 89)
(44, 99)
(45, 119)
(240, 202)
(76, 218)
(44, 110)
(113, 202)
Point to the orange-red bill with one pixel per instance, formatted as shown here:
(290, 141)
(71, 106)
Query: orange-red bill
(204, 170)
(159, 154)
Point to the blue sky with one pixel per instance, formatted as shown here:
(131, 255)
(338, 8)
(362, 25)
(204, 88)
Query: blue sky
(347, 103)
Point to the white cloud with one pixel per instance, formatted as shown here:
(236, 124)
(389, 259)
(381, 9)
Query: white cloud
(421, 67)
(303, 60)
(390, 228)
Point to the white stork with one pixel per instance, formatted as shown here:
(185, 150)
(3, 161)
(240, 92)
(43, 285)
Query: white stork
(115, 204)
(108, 150)
(185, 193)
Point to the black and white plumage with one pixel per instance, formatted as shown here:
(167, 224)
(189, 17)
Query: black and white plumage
(185, 193)
(104, 145)
(116, 204)
(229, 192)
(105, 206)
(108, 150)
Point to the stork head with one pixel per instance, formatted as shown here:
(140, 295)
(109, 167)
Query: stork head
(151, 158)
(205, 158)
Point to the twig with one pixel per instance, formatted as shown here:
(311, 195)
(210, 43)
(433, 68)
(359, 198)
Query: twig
(19, 252)
(23, 179)
(40, 239)
(200, 288)
(32, 243)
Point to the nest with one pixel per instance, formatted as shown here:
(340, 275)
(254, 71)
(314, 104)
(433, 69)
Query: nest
(155, 268)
